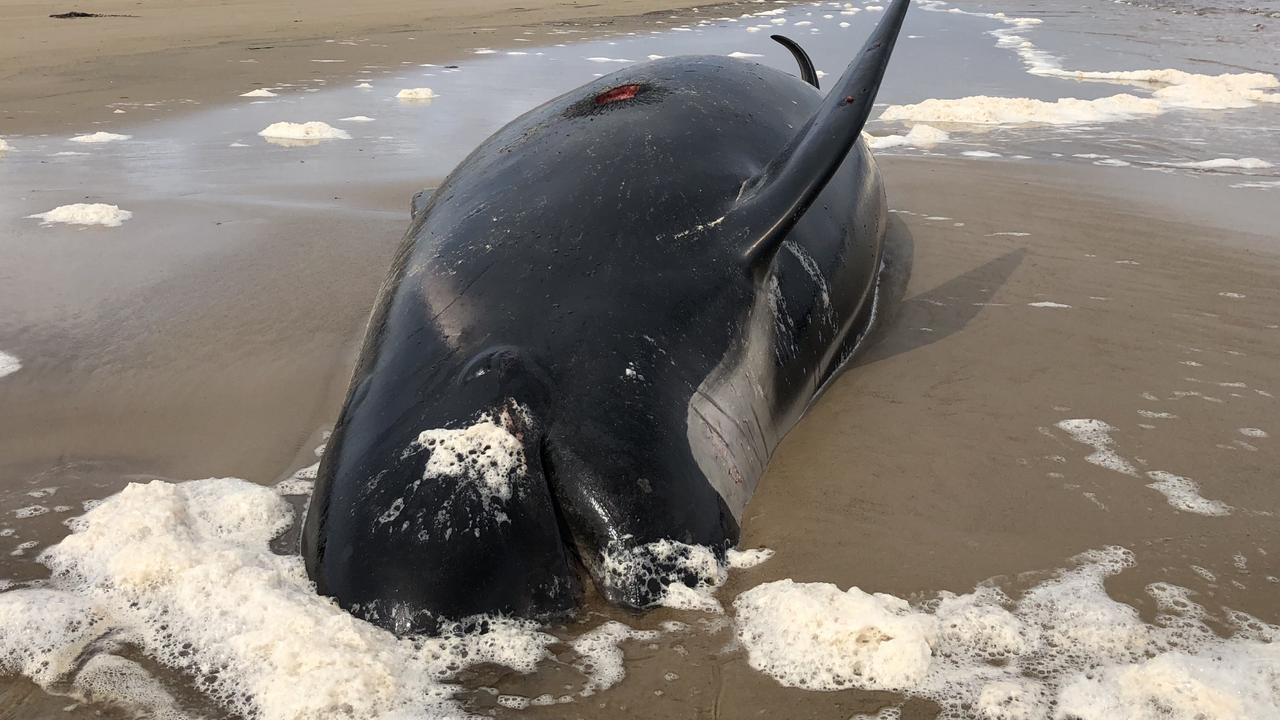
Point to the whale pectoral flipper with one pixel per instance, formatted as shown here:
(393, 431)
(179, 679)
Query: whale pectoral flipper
(807, 73)
(771, 202)
(420, 201)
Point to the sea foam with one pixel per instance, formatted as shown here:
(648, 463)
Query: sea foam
(85, 214)
(1065, 649)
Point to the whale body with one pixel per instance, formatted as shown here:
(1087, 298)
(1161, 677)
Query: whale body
(593, 337)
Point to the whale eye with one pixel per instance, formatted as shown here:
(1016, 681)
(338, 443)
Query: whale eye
(622, 92)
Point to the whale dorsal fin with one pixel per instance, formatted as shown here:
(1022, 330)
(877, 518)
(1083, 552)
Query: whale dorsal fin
(770, 203)
(807, 73)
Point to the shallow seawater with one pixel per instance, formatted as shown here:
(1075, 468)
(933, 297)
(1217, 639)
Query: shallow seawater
(151, 353)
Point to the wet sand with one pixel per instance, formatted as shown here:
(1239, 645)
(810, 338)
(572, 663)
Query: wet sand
(933, 464)
(160, 56)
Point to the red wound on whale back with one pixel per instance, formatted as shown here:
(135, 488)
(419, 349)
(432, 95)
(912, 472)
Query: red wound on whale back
(622, 92)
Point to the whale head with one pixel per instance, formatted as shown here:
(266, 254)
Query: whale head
(441, 511)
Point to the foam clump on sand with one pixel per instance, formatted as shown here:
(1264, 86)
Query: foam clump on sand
(1184, 494)
(185, 572)
(260, 92)
(601, 657)
(920, 136)
(816, 637)
(99, 137)
(9, 364)
(988, 110)
(746, 559)
(1065, 649)
(314, 130)
(1247, 163)
(356, 118)
(4, 146)
(416, 94)
(85, 214)
(1178, 88)
(1097, 435)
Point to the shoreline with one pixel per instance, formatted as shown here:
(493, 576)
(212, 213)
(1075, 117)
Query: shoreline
(71, 75)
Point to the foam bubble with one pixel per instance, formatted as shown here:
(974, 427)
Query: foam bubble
(988, 110)
(313, 130)
(9, 364)
(742, 55)
(423, 93)
(356, 118)
(1180, 89)
(920, 135)
(85, 214)
(99, 137)
(4, 146)
(813, 636)
(260, 92)
(1247, 163)
(1253, 432)
(1097, 434)
(745, 559)
(601, 656)
(1184, 494)
(980, 154)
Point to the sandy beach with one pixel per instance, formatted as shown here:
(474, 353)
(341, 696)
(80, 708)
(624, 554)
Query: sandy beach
(157, 58)
(1037, 300)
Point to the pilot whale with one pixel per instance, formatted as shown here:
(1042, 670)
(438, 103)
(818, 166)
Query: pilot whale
(595, 333)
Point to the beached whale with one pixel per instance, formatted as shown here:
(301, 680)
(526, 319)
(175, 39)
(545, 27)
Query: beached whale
(594, 335)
